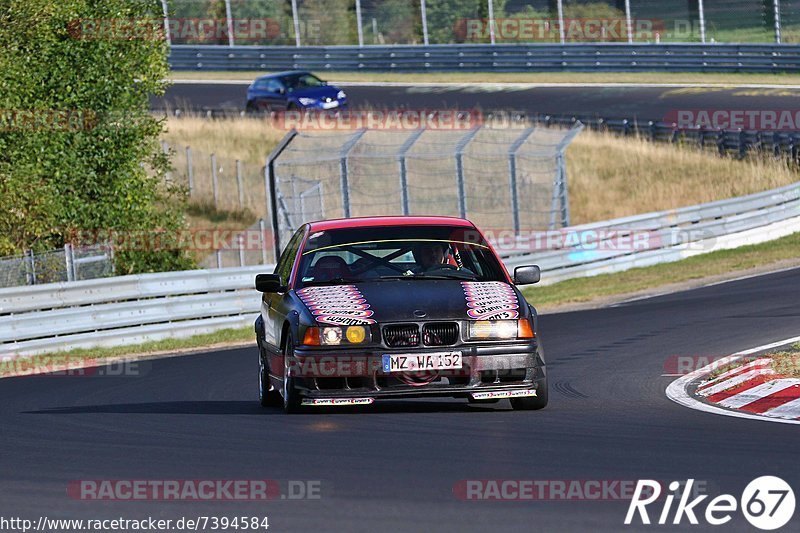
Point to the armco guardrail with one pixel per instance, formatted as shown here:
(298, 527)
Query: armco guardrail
(132, 309)
(125, 309)
(498, 58)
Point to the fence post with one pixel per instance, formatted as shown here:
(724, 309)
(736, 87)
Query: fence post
(167, 35)
(401, 158)
(701, 13)
(296, 22)
(491, 22)
(628, 21)
(271, 191)
(229, 22)
(359, 22)
(262, 229)
(189, 170)
(561, 33)
(30, 268)
(214, 184)
(69, 259)
(239, 183)
(219, 258)
(777, 4)
(512, 176)
(345, 183)
(240, 245)
(462, 190)
(424, 14)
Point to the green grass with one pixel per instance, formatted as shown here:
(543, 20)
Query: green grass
(89, 356)
(565, 292)
(711, 264)
(517, 77)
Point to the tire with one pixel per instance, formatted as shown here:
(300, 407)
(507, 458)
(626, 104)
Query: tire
(532, 403)
(267, 395)
(291, 398)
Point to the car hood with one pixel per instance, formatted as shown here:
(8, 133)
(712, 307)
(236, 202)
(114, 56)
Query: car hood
(328, 91)
(420, 300)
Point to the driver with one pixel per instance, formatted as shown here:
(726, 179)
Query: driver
(429, 255)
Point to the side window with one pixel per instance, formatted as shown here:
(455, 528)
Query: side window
(274, 86)
(284, 266)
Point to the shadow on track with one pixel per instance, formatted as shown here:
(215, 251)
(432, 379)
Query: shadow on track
(253, 408)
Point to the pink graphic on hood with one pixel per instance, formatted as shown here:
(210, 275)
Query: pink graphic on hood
(490, 300)
(340, 305)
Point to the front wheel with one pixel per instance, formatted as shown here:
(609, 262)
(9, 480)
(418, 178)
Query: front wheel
(291, 398)
(532, 403)
(267, 395)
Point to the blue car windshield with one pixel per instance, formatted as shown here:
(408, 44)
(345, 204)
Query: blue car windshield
(302, 81)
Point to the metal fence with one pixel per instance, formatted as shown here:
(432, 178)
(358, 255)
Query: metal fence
(134, 309)
(610, 57)
(412, 22)
(512, 178)
(68, 264)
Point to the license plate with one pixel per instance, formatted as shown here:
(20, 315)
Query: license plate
(422, 362)
(330, 105)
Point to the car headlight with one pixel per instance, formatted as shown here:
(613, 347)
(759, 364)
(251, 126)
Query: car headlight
(335, 335)
(307, 101)
(500, 329)
(341, 95)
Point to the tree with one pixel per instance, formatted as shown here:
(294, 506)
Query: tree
(79, 151)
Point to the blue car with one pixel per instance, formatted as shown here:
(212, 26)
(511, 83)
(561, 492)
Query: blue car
(293, 90)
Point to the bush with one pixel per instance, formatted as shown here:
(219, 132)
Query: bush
(78, 149)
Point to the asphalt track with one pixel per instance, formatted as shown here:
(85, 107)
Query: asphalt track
(640, 103)
(392, 466)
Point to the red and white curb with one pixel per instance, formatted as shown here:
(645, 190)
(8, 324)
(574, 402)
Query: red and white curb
(751, 390)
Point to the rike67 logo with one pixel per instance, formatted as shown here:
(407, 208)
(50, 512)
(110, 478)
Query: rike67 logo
(767, 503)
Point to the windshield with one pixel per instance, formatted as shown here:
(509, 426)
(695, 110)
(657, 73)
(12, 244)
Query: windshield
(389, 253)
(302, 81)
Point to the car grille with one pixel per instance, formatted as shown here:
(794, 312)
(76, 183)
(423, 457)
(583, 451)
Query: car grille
(440, 333)
(401, 335)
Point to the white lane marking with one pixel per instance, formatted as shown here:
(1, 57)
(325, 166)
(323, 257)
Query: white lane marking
(758, 392)
(734, 381)
(510, 85)
(676, 391)
(788, 410)
(734, 371)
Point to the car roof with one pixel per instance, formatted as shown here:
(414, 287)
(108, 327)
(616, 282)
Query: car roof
(366, 222)
(282, 74)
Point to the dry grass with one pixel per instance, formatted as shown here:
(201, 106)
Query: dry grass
(609, 176)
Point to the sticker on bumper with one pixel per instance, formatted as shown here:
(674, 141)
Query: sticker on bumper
(493, 395)
(337, 401)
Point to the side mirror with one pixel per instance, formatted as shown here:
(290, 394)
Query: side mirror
(269, 283)
(527, 275)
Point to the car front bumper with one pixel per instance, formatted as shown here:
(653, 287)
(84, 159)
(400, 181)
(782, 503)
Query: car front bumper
(501, 369)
